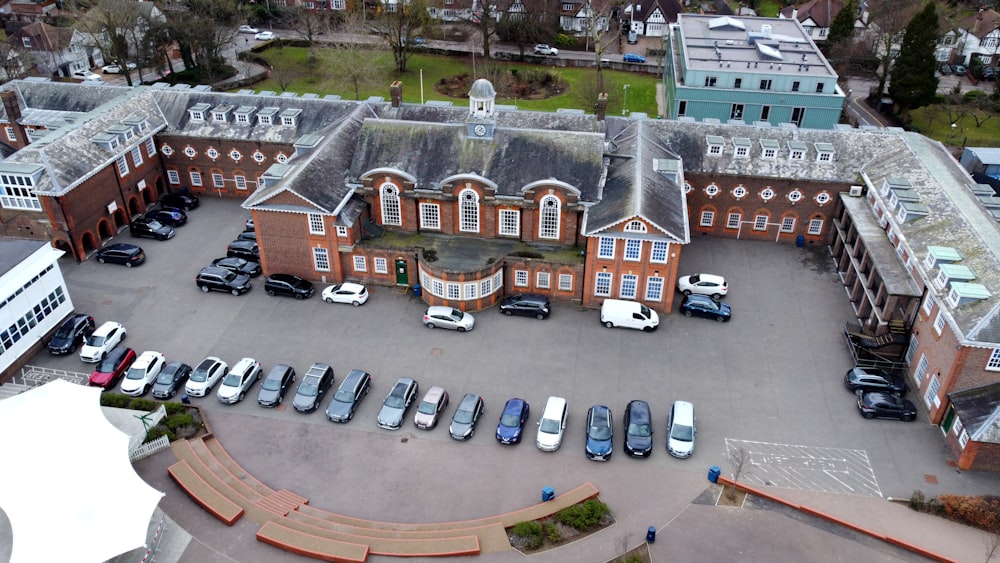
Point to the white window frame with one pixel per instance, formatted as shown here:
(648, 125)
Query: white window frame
(360, 264)
(468, 211)
(173, 177)
(150, 147)
(11, 134)
(629, 287)
(437, 287)
(606, 247)
(707, 219)
(195, 178)
(17, 192)
(430, 216)
(218, 181)
(542, 280)
(928, 304)
(509, 222)
(521, 278)
(815, 227)
(469, 291)
(315, 222)
(939, 322)
(654, 288)
(321, 259)
(241, 182)
(565, 282)
(931, 396)
(921, 370)
(760, 223)
(549, 220)
(122, 165)
(788, 224)
(485, 286)
(392, 213)
(137, 156)
(454, 290)
(602, 284)
(733, 220)
(341, 231)
(659, 252)
(633, 250)
(381, 265)
(993, 363)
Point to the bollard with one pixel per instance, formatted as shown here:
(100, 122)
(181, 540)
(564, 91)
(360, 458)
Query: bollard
(548, 493)
(651, 534)
(713, 473)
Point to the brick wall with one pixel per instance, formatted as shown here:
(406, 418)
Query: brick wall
(224, 163)
(943, 360)
(532, 267)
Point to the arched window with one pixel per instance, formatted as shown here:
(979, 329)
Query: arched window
(548, 223)
(635, 227)
(389, 196)
(468, 211)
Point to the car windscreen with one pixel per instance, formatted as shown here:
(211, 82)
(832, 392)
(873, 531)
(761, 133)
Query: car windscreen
(107, 365)
(310, 387)
(682, 433)
(232, 380)
(427, 407)
(271, 384)
(95, 340)
(510, 419)
(165, 377)
(394, 401)
(641, 430)
(199, 375)
(64, 331)
(600, 432)
(549, 426)
(344, 396)
(135, 373)
(463, 417)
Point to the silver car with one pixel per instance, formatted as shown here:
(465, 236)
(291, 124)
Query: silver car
(447, 317)
(396, 402)
(430, 408)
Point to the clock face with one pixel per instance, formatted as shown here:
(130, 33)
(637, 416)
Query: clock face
(480, 130)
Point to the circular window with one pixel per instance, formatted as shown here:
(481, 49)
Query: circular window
(281, 158)
(469, 196)
(167, 150)
(550, 202)
(767, 194)
(712, 190)
(739, 192)
(822, 198)
(795, 196)
(212, 153)
(235, 155)
(687, 187)
(258, 157)
(190, 152)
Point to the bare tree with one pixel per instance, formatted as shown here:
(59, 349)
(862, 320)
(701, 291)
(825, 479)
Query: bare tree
(738, 458)
(309, 23)
(484, 19)
(524, 28)
(12, 58)
(108, 26)
(887, 20)
(599, 30)
(203, 30)
(622, 542)
(398, 24)
(355, 62)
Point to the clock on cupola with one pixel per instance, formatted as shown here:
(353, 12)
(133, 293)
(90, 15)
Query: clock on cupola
(482, 117)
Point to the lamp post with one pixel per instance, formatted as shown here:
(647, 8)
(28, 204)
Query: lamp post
(624, 99)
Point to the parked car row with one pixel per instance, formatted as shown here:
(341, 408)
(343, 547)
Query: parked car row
(880, 393)
(158, 222)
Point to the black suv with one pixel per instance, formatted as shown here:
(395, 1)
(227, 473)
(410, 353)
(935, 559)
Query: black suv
(526, 305)
(874, 379)
(180, 200)
(287, 284)
(221, 279)
(149, 227)
(638, 429)
(72, 332)
(245, 249)
(238, 265)
(354, 388)
(314, 384)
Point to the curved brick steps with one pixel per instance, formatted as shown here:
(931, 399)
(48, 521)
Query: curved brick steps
(219, 470)
(386, 532)
(311, 546)
(204, 494)
(215, 447)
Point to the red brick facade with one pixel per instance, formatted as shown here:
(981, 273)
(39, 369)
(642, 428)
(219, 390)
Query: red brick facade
(224, 168)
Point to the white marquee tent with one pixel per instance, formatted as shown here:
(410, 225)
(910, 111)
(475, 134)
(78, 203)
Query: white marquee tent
(66, 482)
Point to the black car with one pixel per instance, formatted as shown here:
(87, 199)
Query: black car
(696, 305)
(248, 234)
(172, 377)
(168, 216)
(874, 379)
(122, 253)
(354, 388)
(873, 404)
(245, 249)
(221, 279)
(150, 228)
(180, 200)
(288, 285)
(463, 422)
(638, 429)
(314, 384)
(72, 332)
(238, 265)
(526, 305)
(275, 385)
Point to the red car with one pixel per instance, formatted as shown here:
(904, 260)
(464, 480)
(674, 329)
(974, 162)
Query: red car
(112, 367)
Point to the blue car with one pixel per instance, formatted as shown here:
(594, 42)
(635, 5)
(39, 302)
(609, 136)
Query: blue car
(600, 433)
(695, 305)
(168, 216)
(633, 58)
(512, 420)
(638, 429)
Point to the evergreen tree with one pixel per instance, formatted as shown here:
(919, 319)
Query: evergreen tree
(842, 27)
(913, 82)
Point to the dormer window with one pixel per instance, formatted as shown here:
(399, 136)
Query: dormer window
(949, 273)
(941, 255)
(106, 141)
(962, 293)
(198, 112)
(769, 149)
(267, 116)
(796, 150)
(221, 113)
(741, 147)
(244, 115)
(824, 152)
(290, 117)
(894, 184)
(715, 145)
(137, 122)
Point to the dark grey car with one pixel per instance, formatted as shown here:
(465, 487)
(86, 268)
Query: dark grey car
(172, 377)
(314, 384)
(463, 423)
(354, 388)
(396, 402)
(275, 385)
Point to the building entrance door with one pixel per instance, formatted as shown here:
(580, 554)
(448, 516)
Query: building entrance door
(402, 278)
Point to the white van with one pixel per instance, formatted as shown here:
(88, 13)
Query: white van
(551, 425)
(628, 314)
(681, 429)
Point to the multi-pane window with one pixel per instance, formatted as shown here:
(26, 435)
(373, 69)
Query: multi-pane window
(659, 252)
(566, 284)
(788, 225)
(321, 259)
(633, 249)
(521, 278)
(602, 285)
(468, 211)
(11, 135)
(218, 181)
(195, 178)
(928, 303)
(15, 192)
(341, 231)
(381, 265)
(931, 397)
(606, 248)
(150, 147)
(360, 264)
(939, 322)
(316, 226)
(635, 227)
(173, 177)
(760, 222)
(629, 283)
(542, 280)
(510, 222)
(921, 370)
(430, 216)
(137, 155)
(815, 226)
(548, 224)
(122, 166)
(733, 221)
(470, 290)
(911, 349)
(437, 288)
(454, 291)
(707, 218)
(993, 364)
(486, 287)
(241, 182)
(390, 205)
(654, 288)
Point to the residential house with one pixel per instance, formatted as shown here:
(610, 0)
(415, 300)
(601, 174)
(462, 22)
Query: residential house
(816, 16)
(56, 51)
(651, 18)
(29, 11)
(749, 69)
(978, 37)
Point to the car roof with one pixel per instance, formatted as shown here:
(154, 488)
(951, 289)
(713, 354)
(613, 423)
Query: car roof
(434, 393)
(318, 369)
(243, 364)
(352, 286)
(122, 246)
(210, 360)
(353, 378)
(639, 411)
(514, 404)
(146, 358)
(554, 407)
(105, 328)
(439, 310)
(601, 410)
(469, 401)
(698, 297)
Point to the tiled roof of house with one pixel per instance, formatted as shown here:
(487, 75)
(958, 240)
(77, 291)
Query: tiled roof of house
(821, 12)
(669, 9)
(981, 24)
(979, 410)
(44, 37)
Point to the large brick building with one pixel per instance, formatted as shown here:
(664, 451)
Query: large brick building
(476, 202)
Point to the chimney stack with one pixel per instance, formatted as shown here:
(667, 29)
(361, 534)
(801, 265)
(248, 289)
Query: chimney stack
(13, 110)
(396, 93)
(602, 106)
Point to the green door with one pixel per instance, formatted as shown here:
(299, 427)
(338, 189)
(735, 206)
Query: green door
(401, 276)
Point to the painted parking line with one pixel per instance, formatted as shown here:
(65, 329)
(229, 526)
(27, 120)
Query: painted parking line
(830, 470)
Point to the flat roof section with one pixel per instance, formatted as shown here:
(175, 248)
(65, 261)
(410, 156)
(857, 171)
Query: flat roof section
(894, 274)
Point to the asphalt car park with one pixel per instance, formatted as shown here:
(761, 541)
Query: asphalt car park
(773, 375)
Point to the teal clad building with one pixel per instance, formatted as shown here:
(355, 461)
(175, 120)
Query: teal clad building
(748, 69)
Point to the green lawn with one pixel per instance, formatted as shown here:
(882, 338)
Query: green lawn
(427, 69)
(933, 122)
(769, 8)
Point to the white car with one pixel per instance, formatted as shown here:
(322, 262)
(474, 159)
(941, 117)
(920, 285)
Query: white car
(116, 69)
(87, 76)
(353, 293)
(705, 284)
(447, 317)
(235, 386)
(101, 341)
(543, 49)
(142, 375)
(205, 376)
(264, 36)
(248, 29)
(552, 424)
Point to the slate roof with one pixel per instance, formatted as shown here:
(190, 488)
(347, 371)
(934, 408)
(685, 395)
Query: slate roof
(815, 10)
(669, 9)
(979, 410)
(982, 23)
(44, 37)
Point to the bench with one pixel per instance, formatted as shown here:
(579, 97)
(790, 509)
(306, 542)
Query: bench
(461, 543)
(301, 543)
(210, 499)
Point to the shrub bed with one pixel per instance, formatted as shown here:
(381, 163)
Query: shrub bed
(182, 421)
(981, 512)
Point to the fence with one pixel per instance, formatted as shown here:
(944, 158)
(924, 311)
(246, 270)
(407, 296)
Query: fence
(149, 448)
